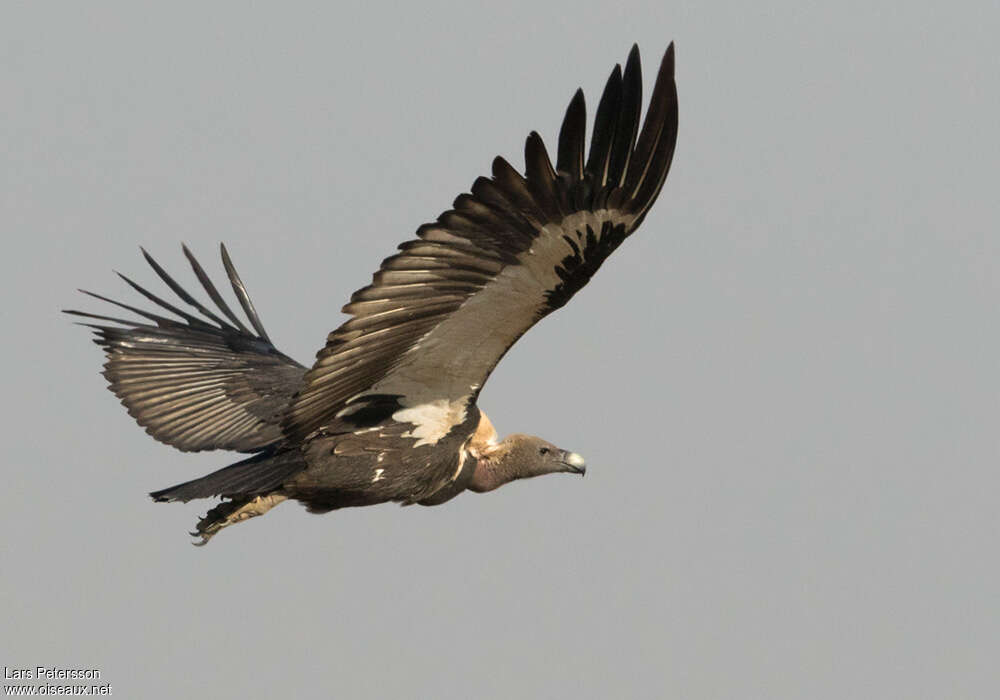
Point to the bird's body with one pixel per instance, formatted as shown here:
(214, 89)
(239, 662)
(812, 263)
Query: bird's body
(388, 411)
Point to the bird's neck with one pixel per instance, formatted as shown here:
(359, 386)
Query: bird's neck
(494, 468)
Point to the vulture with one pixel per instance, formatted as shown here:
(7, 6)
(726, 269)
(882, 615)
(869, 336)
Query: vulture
(388, 410)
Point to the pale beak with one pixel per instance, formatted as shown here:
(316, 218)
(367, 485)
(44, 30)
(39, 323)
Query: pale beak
(574, 463)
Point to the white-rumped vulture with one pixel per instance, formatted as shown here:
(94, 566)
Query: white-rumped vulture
(388, 412)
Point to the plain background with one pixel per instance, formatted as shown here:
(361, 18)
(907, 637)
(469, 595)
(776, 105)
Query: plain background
(787, 384)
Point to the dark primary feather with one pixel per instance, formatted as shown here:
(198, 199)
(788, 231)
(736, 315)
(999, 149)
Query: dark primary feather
(571, 138)
(198, 384)
(605, 128)
(213, 293)
(631, 105)
(241, 294)
(439, 315)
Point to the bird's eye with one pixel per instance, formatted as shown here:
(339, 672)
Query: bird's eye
(543, 451)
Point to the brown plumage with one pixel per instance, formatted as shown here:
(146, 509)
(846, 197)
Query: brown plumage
(388, 411)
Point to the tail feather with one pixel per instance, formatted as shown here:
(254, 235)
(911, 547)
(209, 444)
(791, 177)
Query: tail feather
(252, 477)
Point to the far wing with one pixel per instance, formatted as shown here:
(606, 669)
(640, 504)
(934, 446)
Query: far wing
(199, 383)
(440, 314)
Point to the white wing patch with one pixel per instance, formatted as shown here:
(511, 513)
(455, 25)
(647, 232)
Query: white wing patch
(461, 461)
(378, 475)
(432, 420)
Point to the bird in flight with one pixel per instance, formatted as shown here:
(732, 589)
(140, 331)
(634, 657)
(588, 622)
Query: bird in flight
(388, 411)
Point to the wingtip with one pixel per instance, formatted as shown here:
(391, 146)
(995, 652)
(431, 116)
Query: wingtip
(577, 99)
(531, 145)
(153, 264)
(128, 281)
(577, 105)
(227, 261)
(499, 166)
(633, 60)
(75, 312)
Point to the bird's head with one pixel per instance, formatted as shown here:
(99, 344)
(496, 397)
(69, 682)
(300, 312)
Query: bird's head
(534, 457)
(520, 457)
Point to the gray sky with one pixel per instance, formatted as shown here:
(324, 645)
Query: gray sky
(786, 385)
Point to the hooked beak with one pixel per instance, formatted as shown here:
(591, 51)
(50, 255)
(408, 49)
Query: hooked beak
(574, 463)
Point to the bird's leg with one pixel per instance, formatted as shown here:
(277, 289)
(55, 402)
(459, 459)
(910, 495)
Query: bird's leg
(237, 510)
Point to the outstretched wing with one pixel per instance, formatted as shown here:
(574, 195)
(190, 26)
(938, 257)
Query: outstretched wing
(198, 383)
(440, 314)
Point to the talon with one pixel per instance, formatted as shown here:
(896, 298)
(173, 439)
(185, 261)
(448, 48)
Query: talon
(233, 511)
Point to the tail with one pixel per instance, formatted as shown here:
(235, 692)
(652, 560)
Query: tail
(253, 487)
(256, 476)
(198, 382)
